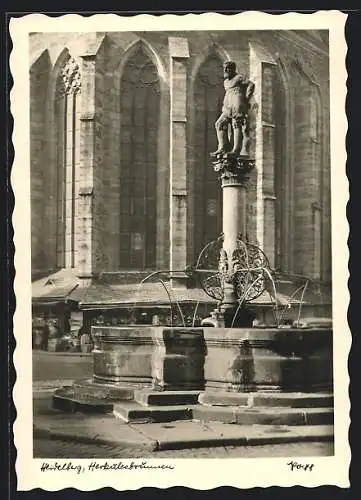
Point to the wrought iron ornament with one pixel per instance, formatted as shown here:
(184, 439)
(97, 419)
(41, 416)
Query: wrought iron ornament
(208, 270)
(248, 269)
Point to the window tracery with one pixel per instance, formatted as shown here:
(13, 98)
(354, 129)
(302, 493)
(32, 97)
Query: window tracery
(67, 133)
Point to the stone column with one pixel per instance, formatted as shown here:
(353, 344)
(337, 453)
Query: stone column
(179, 54)
(234, 176)
(234, 225)
(234, 198)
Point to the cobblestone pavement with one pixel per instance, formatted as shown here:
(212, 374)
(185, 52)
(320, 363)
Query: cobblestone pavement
(61, 449)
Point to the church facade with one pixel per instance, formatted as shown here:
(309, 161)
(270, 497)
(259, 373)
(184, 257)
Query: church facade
(122, 125)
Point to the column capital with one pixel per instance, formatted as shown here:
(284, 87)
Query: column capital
(233, 170)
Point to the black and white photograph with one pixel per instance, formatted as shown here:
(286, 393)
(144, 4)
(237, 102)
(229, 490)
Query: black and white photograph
(183, 248)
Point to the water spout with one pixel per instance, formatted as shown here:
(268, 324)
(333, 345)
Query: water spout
(301, 302)
(137, 293)
(287, 306)
(275, 295)
(303, 287)
(195, 314)
(243, 298)
(156, 273)
(139, 285)
(181, 313)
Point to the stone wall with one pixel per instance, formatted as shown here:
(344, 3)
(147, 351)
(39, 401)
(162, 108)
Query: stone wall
(289, 199)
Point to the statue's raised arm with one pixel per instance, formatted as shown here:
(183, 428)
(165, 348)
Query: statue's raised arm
(238, 92)
(249, 90)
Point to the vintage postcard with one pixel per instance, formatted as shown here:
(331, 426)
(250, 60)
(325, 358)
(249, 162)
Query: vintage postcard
(180, 250)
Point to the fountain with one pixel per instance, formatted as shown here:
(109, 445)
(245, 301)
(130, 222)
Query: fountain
(227, 369)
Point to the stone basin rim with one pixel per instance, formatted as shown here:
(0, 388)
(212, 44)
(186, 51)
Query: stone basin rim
(197, 329)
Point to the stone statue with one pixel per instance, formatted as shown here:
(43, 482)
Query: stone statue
(239, 91)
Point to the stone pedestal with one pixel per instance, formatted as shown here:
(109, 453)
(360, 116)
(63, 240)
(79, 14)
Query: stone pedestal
(178, 359)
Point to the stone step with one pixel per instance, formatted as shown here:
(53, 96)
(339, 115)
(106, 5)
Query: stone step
(88, 389)
(290, 399)
(65, 400)
(167, 406)
(263, 415)
(137, 413)
(166, 398)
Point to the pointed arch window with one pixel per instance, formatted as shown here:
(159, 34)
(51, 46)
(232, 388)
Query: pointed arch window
(67, 124)
(208, 99)
(140, 95)
(308, 176)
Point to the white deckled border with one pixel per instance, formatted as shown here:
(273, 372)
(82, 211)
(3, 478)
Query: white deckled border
(207, 473)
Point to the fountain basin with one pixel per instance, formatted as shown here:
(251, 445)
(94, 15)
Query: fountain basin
(159, 357)
(244, 376)
(244, 360)
(123, 355)
(230, 359)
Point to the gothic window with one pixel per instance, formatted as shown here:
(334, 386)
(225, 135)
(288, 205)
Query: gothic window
(274, 173)
(139, 94)
(307, 184)
(67, 124)
(208, 99)
(39, 81)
